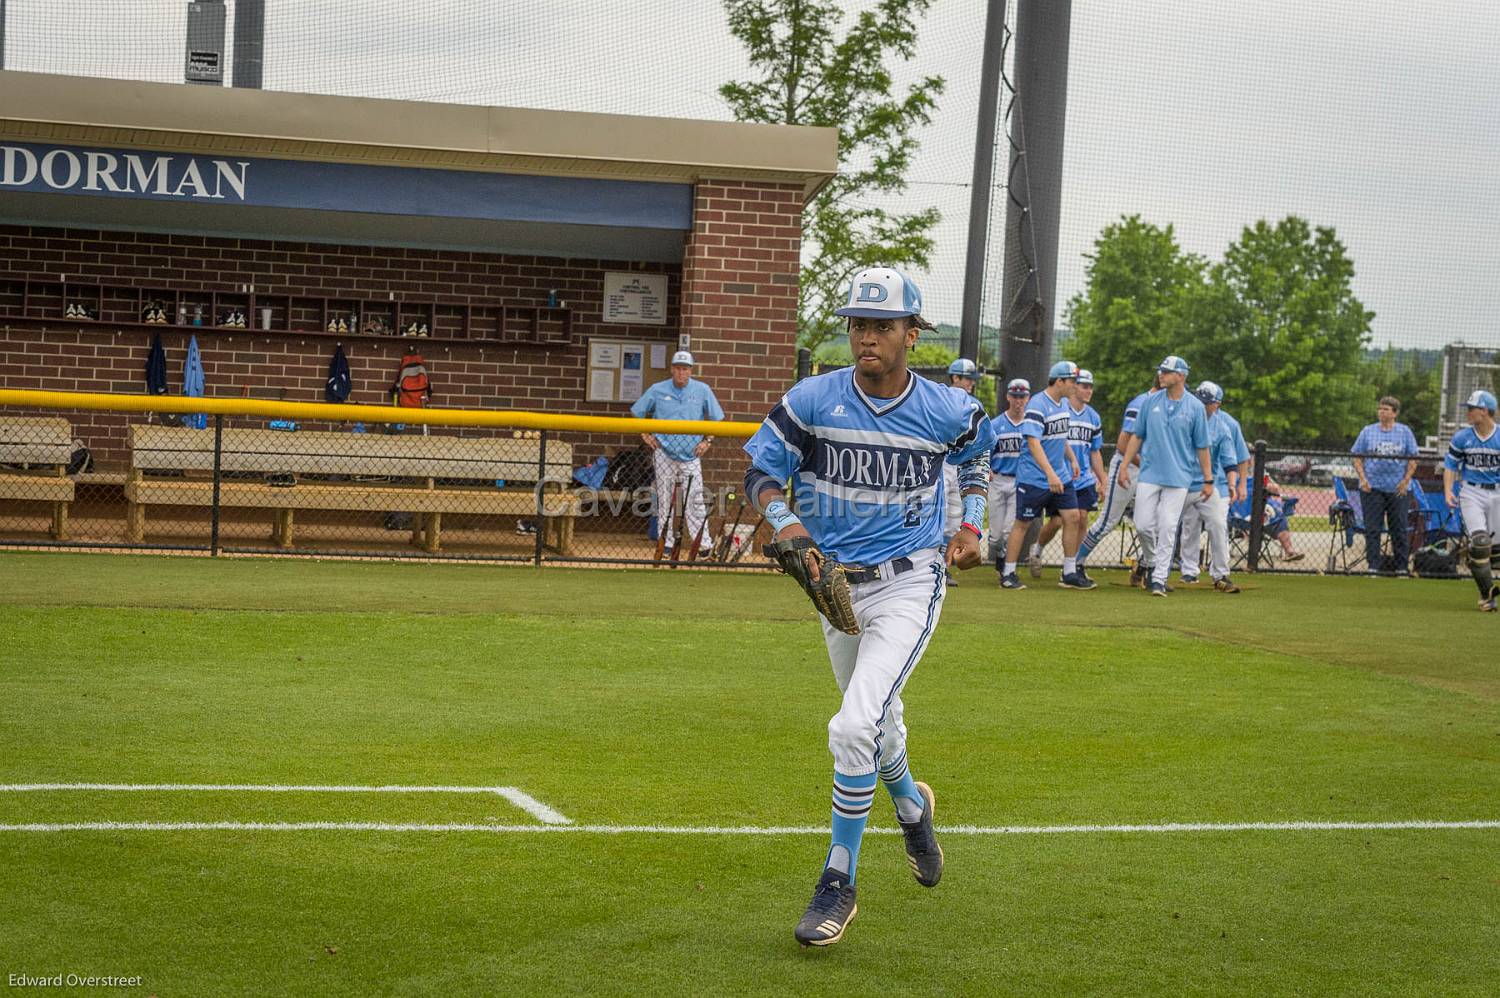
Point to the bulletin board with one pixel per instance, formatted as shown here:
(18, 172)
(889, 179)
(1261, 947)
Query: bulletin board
(621, 370)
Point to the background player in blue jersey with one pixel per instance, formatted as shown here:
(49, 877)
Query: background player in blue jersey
(1006, 455)
(1474, 459)
(1117, 497)
(1086, 437)
(864, 449)
(1045, 474)
(1171, 437)
(1227, 454)
(963, 374)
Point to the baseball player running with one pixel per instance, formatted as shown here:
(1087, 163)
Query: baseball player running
(1009, 443)
(1171, 430)
(1086, 437)
(864, 448)
(1040, 485)
(1116, 496)
(1474, 459)
(962, 374)
(1227, 454)
(676, 455)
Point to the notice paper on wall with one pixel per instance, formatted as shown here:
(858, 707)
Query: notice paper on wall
(658, 355)
(630, 372)
(635, 298)
(601, 385)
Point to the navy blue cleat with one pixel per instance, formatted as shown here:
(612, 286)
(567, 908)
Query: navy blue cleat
(923, 854)
(831, 911)
(1076, 580)
(1157, 588)
(1011, 581)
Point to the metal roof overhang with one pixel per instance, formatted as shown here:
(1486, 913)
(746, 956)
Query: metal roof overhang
(595, 206)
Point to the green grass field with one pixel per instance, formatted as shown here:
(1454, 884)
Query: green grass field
(690, 700)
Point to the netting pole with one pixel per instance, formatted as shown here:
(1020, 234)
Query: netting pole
(541, 485)
(1257, 506)
(983, 179)
(804, 363)
(249, 43)
(213, 515)
(2, 34)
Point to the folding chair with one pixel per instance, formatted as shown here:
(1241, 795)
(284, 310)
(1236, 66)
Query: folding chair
(1239, 533)
(1347, 522)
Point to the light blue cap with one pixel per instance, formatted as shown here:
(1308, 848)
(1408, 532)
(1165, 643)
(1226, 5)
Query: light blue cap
(1174, 364)
(1481, 400)
(881, 293)
(964, 368)
(1209, 392)
(1063, 369)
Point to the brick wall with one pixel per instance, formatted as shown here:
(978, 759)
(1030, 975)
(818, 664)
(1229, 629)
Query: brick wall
(735, 293)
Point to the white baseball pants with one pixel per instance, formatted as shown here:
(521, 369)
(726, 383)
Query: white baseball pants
(1002, 513)
(1157, 512)
(684, 475)
(1112, 505)
(1481, 509)
(1211, 514)
(896, 618)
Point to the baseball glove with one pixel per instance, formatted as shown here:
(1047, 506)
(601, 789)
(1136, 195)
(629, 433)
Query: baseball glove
(830, 593)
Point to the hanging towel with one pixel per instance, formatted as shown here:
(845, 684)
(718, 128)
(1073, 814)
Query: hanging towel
(337, 388)
(192, 384)
(156, 368)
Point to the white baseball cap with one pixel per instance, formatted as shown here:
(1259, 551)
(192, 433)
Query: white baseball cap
(881, 293)
(682, 357)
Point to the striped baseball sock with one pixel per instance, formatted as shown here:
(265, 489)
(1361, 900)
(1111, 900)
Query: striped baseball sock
(896, 775)
(851, 809)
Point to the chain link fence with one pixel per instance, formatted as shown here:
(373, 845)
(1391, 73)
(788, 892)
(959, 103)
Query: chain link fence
(238, 484)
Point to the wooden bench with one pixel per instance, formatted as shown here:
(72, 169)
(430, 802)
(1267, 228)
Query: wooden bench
(411, 464)
(42, 446)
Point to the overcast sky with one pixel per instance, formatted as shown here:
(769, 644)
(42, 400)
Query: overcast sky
(1376, 117)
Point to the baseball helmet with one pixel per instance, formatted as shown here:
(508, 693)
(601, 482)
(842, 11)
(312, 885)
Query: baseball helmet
(1018, 387)
(1208, 392)
(1085, 377)
(963, 368)
(1063, 369)
(881, 293)
(682, 357)
(1481, 400)
(1173, 365)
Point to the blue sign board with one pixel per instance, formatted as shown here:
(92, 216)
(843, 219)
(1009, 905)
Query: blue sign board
(393, 190)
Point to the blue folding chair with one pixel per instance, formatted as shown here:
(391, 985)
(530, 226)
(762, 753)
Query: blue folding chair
(1346, 518)
(1239, 532)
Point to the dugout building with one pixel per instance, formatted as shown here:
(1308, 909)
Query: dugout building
(530, 246)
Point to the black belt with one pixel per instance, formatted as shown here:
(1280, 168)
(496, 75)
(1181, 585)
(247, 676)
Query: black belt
(872, 573)
(1487, 486)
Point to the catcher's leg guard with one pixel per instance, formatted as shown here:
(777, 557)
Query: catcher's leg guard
(1480, 555)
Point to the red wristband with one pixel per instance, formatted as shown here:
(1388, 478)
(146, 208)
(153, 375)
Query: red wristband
(977, 531)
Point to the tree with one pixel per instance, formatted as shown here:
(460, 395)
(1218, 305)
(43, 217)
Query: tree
(805, 74)
(1128, 317)
(1277, 323)
(1417, 386)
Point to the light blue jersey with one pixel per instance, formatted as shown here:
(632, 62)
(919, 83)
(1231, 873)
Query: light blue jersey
(867, 474)
(1476, 458)
(1049, 422)
(1221, 454)
(1085, 436)
(1398, 441)
(1009, 444)
(1171, 435)
(664, 400)
(1133, 411)
(1241, 451)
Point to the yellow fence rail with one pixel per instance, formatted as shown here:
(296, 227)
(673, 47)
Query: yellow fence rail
(507, 418)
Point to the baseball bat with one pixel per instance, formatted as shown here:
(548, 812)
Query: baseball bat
(681, 516)
(728, 541)
(662, 522)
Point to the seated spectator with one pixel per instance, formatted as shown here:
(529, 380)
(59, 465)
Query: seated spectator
(1274, 517)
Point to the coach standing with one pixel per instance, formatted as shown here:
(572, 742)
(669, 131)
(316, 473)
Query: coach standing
(1171, 437)
(1383, 483)
(676, 454)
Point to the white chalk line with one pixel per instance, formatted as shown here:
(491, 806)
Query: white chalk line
(521, 799)
(725, 830)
